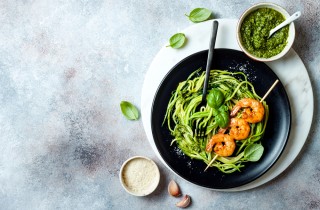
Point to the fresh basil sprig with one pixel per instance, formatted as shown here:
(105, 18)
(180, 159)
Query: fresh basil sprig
(177, 40)
(253, 152)
(198, 15)
(129, 110)
(215, 100)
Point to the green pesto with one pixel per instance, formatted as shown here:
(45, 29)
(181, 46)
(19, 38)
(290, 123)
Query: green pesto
(255, 30)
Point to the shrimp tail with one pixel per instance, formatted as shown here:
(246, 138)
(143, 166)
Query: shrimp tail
(210, 145)
(222, 130)
(235, 110)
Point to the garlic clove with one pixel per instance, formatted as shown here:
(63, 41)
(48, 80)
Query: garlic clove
(174, 189)
(185, 202)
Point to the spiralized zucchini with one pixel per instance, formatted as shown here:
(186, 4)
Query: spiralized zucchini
(181, 116)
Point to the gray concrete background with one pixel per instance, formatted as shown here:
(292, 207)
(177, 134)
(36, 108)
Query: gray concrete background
(65, 66)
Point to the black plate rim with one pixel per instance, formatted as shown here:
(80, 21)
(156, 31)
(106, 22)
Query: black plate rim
(271, 164)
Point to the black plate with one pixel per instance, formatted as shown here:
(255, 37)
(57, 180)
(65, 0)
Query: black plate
(274, 140)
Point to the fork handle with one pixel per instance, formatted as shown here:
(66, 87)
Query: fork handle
(210, 57)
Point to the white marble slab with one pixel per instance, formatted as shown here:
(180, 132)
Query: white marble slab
(289, 69)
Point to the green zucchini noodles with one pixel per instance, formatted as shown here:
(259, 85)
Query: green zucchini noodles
(181, 117)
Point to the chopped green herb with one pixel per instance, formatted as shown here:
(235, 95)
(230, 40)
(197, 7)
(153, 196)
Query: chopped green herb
(255, 30)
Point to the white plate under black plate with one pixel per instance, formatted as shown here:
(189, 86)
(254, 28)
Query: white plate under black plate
(276, 134)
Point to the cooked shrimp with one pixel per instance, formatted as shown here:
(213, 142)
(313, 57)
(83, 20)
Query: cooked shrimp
(239, 128)
(224, 144)
(253, 112)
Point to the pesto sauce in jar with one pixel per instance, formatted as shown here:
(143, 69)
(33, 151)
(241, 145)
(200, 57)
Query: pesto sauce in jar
(255, 30)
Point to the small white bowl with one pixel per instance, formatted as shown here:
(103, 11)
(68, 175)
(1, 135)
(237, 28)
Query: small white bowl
(291, 34)
(139, 176)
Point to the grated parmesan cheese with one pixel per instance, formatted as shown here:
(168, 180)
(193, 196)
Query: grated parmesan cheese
(140, 176)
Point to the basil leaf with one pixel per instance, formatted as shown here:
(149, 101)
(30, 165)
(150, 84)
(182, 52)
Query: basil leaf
(215, 111)
(222, 119)
(177, 40)
(215, 98)
(129, 110)
(199, 15)
(223, 108)
(253, 152)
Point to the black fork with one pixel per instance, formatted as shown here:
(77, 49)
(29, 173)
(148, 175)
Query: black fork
(200, 129)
